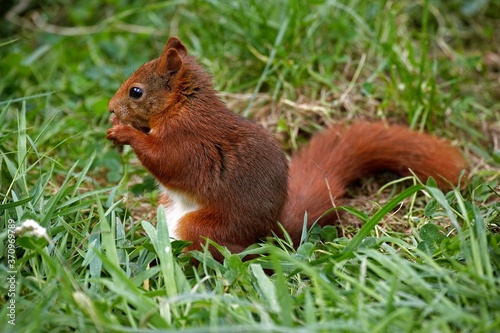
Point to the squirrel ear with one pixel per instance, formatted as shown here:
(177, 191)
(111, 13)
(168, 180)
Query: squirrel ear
(175, 43)
(170, 62)
(171, 58)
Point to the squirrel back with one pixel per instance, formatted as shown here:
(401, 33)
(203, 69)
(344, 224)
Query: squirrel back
(225, 178)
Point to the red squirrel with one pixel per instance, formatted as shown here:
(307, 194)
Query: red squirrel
(225, 178)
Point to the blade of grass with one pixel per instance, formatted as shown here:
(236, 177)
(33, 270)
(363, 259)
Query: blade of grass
(372, 222)
(270, 60)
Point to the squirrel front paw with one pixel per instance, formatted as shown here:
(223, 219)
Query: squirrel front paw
(121, 134)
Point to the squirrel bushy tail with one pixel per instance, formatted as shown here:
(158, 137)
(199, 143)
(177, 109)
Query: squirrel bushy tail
(321, 171)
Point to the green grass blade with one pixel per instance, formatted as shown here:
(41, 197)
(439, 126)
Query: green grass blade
(372, 222)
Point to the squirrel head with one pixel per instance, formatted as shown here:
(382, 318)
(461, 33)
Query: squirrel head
(151, 88)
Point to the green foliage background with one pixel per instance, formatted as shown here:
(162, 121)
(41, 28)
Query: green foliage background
(293, 66)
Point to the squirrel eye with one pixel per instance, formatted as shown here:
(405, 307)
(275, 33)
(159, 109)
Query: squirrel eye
(135, 92)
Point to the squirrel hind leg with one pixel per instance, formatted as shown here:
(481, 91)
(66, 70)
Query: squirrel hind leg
(177, 205)
(204, 223)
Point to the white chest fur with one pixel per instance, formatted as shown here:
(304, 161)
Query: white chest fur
(177, 206)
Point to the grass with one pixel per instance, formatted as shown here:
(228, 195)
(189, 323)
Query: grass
(405, 258)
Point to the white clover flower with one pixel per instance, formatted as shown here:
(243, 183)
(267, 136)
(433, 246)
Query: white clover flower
(32, 227)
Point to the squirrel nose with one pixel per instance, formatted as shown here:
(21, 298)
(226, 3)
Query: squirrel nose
(111, 106)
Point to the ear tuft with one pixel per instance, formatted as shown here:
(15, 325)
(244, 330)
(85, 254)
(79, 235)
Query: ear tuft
(175, 43)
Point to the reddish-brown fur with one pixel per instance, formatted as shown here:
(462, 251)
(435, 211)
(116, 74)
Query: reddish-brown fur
(235, 171)
(320, 173)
